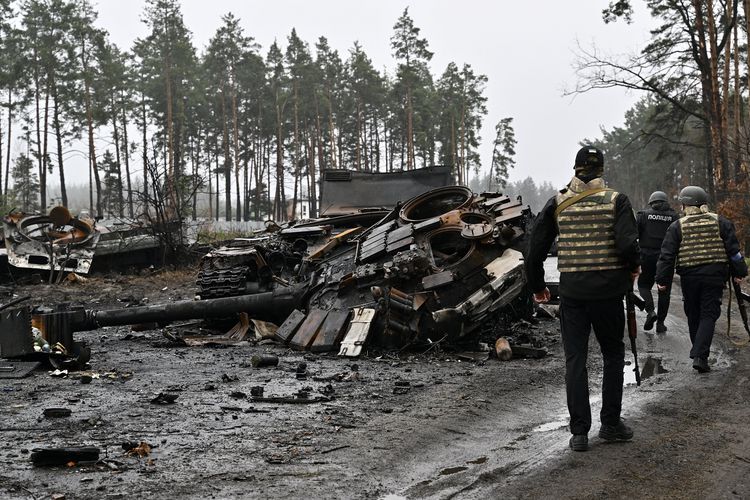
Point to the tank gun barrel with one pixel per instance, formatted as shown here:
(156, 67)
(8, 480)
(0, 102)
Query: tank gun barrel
(268, 306)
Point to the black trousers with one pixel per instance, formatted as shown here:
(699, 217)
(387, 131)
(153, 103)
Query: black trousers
(607, 317)
(646, 282)
(702, 303)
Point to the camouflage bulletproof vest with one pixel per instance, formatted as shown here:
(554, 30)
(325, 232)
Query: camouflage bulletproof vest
(701, 241)
(587, 233)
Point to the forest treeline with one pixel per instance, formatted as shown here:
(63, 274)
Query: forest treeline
(691, 125)
(249, 128)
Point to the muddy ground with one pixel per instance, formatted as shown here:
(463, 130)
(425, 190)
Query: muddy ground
(411, 425)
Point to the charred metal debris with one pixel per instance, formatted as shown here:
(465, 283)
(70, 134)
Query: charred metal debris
(444, 266)
(436, 267)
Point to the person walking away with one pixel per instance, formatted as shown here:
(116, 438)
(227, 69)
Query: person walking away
(652, 226)
(703, 247)
(598, 260)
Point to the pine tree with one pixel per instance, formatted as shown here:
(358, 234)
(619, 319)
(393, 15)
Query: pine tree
(412, 77)
(25, 185)
(503, 151)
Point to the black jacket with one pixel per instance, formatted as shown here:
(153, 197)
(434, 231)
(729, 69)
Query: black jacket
(652, 226)
(712, 273)
(589, 285)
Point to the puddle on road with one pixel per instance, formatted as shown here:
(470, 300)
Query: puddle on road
(453, 470)
(477, 461)
(650, 366)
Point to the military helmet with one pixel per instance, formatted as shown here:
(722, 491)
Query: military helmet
(657, 196)
(694, 196)
(589, 156)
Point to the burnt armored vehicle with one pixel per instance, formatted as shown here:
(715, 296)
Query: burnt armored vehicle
(438, 266)
(434, 267)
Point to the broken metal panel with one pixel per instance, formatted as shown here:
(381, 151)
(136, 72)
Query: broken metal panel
(15, 333)
(308, 330)
(346, 191)
(331, 332)
(356, 335)
(437, 280)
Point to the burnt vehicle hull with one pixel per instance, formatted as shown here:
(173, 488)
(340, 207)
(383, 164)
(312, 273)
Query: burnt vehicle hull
(54, 242)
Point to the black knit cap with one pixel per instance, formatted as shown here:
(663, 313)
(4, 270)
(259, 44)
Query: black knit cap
(589, 156)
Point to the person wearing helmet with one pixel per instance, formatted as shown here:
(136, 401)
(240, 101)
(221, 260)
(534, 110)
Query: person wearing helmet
(598, 259)
(703, 247)
(652, 226)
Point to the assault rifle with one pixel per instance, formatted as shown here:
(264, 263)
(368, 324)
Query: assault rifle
(631, 302)
(742, 297)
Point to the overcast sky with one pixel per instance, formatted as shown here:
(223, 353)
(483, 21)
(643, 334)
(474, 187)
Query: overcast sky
(525, 48)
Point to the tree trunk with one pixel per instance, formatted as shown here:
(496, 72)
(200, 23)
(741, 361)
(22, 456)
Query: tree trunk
(116, 138)
(464, 180)
(10, 137)
(196, 171)
(236, 134)
(126, 148)
(726, 75)
(454, 153)
(280, 202)
(296, 152)
(717, 134)
(738, 158)
(216, 171)
(171, 201)
(227, 160)
(58, 137)
(210, 185)
(145, 154)
(332, 130)
(92, 148)
(37, 98)
(409, 131)
(313, 181)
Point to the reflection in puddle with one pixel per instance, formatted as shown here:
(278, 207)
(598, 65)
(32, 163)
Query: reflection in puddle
(452, 470)
(651, 366)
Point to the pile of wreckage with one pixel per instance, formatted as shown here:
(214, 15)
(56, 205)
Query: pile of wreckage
(436, 267)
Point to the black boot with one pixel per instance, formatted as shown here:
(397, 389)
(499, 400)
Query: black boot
(661, 327)
(619, 432)
(701, 364)
(579, 442)
(650, 320)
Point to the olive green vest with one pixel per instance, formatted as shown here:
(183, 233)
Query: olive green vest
(587, 232)
(701, 241)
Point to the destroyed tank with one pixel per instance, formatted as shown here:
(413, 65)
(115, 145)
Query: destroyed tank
(435, 267)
